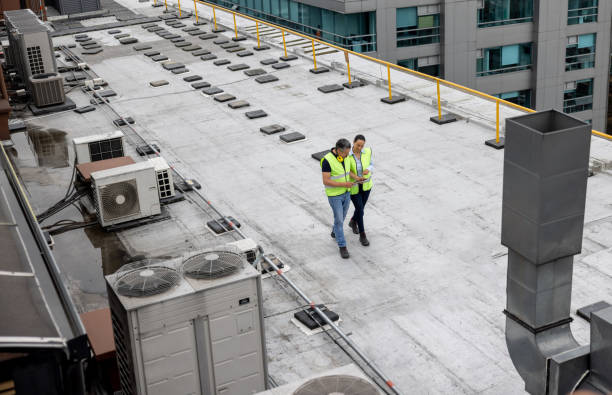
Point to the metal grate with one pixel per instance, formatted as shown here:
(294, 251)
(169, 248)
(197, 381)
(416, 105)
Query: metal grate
(163, 182)
(147, 281)
(35, 60)
(212, 264)
(105, 149)
(337, 384)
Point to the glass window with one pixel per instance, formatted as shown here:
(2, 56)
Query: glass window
(423, 65)
(522, 98)
(418, 25)
(505, 12)
(580, 52)
(356, 32)
(578, 96)
(581, 11)
(504, 59)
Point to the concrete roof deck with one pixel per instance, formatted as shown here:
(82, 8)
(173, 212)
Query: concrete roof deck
(424, 301)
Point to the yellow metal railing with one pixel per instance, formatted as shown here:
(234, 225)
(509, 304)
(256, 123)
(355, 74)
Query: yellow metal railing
(389, 65)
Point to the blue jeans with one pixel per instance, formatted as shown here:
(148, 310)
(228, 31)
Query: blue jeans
(340, 205)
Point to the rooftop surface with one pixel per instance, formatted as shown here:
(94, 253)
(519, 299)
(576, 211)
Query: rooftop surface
(424, 301)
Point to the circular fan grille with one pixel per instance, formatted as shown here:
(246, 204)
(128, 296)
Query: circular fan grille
(212, 264)
(337, 385)
(119, 199)
(147, 281)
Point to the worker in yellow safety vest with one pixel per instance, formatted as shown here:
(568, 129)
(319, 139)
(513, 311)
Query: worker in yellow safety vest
(336, 179)
(360, 161)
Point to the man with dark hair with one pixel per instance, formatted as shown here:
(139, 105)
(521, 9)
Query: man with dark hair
(336, 179)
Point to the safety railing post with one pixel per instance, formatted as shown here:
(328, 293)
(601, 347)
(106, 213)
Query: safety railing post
(348, 67)
(166, 5)
(497, 121)
(284, 43)
(235, 25)
(179, 5)
(389, 82)
(214, 18)
(439, 105)
(195, 9)
(498, 142)
(314, 55)
(257, 28)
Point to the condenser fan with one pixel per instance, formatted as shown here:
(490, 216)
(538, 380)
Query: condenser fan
(119, 199)
(212, 264)
(147, 281)
(337, 385)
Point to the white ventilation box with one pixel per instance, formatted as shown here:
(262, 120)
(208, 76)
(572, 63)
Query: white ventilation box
(193, 327)
(165, 184)
(348, 379)
(98, 147)
(125, 193)
(47, 89)
(247, 247)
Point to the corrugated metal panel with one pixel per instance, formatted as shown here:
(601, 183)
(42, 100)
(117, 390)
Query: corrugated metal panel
(77, 6)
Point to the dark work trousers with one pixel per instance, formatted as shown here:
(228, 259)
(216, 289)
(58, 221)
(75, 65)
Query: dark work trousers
(359, 201)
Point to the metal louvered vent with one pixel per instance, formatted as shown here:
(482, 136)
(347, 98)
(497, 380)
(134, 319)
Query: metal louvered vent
(337, 385)
(147, 281)
(212, 264)
(119, 200)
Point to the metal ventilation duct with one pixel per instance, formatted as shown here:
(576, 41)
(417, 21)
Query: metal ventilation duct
(544, 193)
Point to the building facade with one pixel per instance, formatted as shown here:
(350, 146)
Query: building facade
(541, 54)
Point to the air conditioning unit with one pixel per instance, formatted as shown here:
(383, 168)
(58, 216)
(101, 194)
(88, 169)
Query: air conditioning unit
(125, 193)
(165, 185)
(189, 326)
(47, 89)
(98, 147)
(30, 44)
(348, 379)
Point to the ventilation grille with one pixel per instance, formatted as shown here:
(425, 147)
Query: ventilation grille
(212, 264)
(147, 281)
(35, 60)
(337, 384)
(124, 360)
(163, 183)
(106, 149)
(119, 200)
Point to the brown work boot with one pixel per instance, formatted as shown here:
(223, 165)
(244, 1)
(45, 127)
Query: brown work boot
(363, 239)
(344, 252)
(353, 225)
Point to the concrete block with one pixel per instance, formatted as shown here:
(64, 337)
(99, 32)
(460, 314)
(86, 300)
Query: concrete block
(288, 58)
(280, 66)
(266, 78)
(272, 129)
(213, 90)
(208, 57)
(200, 52)
(267, 62)
(319, 70)
(255, 114)
(330, 88)
(292, 137)
(254, 72)
(446, 118)
(224, 97)
(242, 54)
(221, 62)
(238, 67)
(394, 99)
(192, 78)
(200, 85)
(159, 58)
(238, 104)
(158, 83)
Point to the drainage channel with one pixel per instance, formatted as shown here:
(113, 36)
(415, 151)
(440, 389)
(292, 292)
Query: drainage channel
(389, 386)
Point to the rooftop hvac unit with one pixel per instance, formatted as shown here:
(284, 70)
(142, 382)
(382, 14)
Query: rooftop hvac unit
(165, 186)
(125, 193)
(30, 44)
(47, 89)
(98, 147)
(347, 380)
(189, 326)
